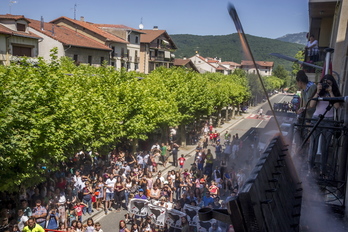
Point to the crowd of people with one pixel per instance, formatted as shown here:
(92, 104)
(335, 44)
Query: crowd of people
(90, 182)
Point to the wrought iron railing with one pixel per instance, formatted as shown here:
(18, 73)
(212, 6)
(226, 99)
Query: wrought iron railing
(322, 157)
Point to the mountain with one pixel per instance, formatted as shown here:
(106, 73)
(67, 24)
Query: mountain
(228, 47)
(299, 38)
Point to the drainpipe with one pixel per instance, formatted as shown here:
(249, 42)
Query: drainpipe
(7, 63)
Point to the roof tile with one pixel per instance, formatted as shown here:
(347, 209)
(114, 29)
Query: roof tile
(89, 26)
(66, 35)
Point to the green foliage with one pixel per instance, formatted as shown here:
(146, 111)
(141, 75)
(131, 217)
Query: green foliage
(50, 111)
(228, 48)
(295, 66)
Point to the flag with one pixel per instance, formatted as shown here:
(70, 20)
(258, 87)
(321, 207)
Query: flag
(192, 214)
(157, 214)
(138, 207)
(203, 226)
(173, 218)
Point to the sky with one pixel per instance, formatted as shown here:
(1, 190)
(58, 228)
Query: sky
(264, 18)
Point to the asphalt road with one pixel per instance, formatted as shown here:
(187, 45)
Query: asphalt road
(244, 128)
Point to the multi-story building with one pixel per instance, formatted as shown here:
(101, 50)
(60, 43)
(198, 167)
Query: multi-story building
(202, 64)
(117, 45)
(156, 49)
(328, 23)
(130, 58)
(265, 67)
(16, 39)
(68, 43)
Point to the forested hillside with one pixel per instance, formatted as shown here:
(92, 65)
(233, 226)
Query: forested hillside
(228, 47)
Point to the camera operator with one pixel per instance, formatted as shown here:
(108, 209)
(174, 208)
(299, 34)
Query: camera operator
(326, 88)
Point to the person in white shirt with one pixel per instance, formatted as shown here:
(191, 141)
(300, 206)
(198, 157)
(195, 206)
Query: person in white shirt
(78, 183)
(140, 159)
(22, 219)
(312, 49)
(156, 146)
(110, 185)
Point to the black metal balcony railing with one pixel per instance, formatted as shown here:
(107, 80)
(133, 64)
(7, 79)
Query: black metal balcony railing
(321, 158)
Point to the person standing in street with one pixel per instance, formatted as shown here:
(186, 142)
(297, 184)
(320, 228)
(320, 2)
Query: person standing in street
(40, 213)
(175, 149)
(109, 184)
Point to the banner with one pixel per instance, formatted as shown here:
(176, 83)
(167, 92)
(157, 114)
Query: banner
(157, 213)
(192, 214)
(173, 218)
(138, 207)
(203, 226)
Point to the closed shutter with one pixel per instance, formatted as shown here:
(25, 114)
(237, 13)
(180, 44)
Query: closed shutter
(21, 51)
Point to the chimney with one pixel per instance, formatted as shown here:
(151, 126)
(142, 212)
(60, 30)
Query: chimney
(184, 57)
(82, 19)
(155, 27)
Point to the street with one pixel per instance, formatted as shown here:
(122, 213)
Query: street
(244, 127)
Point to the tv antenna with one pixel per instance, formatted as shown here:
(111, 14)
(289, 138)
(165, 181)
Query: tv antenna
(10, 5)
(75, 6)
(141, 26)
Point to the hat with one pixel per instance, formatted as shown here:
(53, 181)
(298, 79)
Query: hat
(141, 190)
(165, 182)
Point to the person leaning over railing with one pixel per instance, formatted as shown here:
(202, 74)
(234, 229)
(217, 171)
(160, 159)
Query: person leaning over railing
(321, 138)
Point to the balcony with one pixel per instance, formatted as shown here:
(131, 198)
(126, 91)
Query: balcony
(137, 59)
(130, 59)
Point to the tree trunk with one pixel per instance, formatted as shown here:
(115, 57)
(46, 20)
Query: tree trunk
(218, 118)
(233, 110)
(134, 145)
(226, 115)
(183, 135)
(165, 133)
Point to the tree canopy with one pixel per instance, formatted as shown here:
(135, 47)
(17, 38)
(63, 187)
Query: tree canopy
(49, 111)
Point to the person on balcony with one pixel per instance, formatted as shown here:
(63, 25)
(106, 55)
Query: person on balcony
(308, 89)
(312, 49)
(321, 137)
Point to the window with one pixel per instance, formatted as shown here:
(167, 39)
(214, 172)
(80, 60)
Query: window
(135, 56)
(21, 51)
(101, 60)
(136, 39)
(75, 57)
(129, 38)
(136, 66)
(113, 51)
(20, 27)
(122, 52)
(128, 53)
(90, 60)
(113, 64)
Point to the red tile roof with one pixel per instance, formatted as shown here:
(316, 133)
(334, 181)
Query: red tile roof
(213, 61)
(13, 17)
(184, 62)
(8, 31)
(151, 35)
(231, 63)
(92, 28)
(181, 61)
(260, 63)
(220, 67)
(67, 36)
(120, 26)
